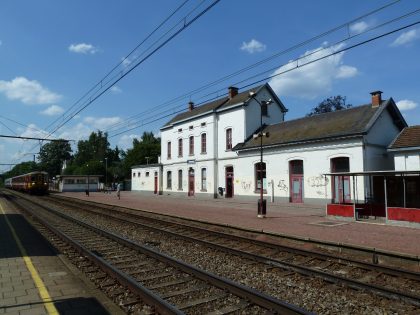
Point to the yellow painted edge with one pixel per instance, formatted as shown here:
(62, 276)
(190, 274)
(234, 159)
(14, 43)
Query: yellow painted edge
(45, 296)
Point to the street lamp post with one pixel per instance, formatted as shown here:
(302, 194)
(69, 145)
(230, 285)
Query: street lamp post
(106, 171)
(262, 206)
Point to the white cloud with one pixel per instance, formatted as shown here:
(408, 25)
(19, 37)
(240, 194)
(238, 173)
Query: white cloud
(359, 27)
(28, 92)
(126, 141)
(344, 72)
(406, 105)
(53, 110)
(253, 46)
(115, 89)
(406, 38)
(102, 123)
(83, 48)
(314, 79)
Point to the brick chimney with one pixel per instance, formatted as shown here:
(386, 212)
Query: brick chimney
(376, 98)
(190, 106)
(233, 91)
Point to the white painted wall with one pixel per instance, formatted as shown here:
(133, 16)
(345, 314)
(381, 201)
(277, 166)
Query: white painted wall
(316, 161)
(141, 182)
(407, 161)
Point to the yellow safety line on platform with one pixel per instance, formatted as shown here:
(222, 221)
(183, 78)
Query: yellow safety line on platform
(48, 302)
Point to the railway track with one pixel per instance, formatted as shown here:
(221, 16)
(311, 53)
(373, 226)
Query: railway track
(147, 280)
(392, 283)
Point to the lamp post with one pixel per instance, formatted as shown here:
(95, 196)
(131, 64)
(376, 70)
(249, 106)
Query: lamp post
(106, 171)
(262, 205)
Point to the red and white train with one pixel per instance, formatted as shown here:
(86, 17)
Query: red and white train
(33, 183)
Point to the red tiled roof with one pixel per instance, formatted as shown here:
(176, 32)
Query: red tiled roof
(409, 137)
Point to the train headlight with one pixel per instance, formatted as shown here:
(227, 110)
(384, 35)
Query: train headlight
(45, 184)
(33, 183)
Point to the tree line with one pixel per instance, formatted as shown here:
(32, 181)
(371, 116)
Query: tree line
(93, 156)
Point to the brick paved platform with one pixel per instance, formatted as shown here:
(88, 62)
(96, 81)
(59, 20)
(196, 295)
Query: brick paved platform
(35, 280)
(300, 220)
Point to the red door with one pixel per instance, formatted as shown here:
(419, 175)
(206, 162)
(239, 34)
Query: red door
(296, 185)
(191, 182)
(229, 182)
(296, 181)
(156, 184)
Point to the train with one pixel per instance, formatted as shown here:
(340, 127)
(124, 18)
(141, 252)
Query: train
(33, 183)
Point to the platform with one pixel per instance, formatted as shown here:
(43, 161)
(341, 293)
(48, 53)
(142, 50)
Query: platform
(301, 220)
(34, 279)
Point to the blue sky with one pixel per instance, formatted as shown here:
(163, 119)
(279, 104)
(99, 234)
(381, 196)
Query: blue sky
(53, 52)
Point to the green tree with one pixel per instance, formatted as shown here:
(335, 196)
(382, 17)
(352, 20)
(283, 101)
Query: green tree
(331, 104)
(20, 169)
(145, 151)
(52, 156)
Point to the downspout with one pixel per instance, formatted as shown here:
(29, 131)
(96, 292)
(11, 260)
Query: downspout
(215, 154)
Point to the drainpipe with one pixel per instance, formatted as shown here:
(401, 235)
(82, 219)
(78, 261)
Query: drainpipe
(215, 155)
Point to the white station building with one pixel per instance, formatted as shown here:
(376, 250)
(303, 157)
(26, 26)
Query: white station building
(214, 150)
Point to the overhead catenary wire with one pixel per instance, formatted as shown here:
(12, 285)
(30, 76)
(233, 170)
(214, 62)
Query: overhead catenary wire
(287, 50)
(123, 75)
(302, 64)
(90, 100)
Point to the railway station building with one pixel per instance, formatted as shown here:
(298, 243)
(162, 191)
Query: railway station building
(212, 149)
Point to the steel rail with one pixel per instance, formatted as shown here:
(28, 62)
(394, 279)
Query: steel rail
(256, 297)
(383, 291)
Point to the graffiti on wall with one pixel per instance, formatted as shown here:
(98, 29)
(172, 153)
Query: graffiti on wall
(317, 181)
(282, 185)
(246, 185)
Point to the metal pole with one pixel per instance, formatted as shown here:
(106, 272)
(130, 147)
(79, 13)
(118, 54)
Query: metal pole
(386, 203)
(106, 171)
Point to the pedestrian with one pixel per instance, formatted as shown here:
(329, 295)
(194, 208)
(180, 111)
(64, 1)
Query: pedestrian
(118, 190)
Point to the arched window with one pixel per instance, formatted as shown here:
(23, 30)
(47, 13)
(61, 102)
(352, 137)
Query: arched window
(179, 179)
(203, 143)
(169, 180)
(229, 139)
(191, 145)
(180, 147)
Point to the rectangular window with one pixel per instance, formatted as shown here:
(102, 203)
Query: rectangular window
(134, 174)
(180, 130)
(192, 145)
(203, 143)
(204, 179)
(169, 150)
(147, 174)
(179, 179)
(191, 127)
(179, 147)
(229, 139)
(169, 180)
(203, 124)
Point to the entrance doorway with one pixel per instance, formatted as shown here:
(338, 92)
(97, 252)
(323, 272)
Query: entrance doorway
(191, 182)
(340, 184)
(229, 182)
(296, 181)
(156, 183)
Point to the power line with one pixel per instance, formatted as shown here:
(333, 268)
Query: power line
(290, 69)
(247, 68)
(122, 75)
(34, 138)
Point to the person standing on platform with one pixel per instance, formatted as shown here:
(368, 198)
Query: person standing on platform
(119, 190)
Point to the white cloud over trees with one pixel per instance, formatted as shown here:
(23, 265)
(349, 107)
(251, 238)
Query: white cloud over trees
(28, 91)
